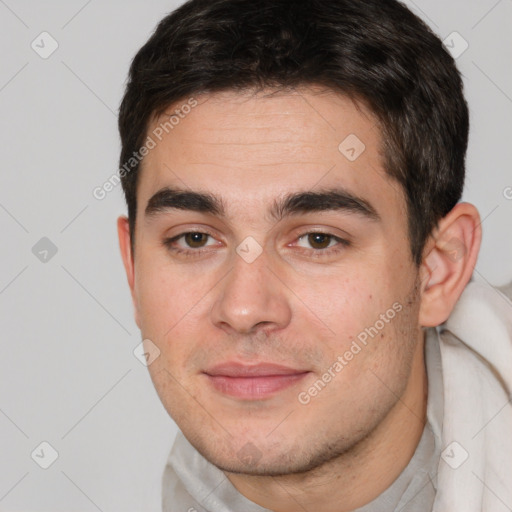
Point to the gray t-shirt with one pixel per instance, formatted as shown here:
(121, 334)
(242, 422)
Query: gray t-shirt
(192, 484)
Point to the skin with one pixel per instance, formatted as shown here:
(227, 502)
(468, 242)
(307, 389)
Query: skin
(296, 304)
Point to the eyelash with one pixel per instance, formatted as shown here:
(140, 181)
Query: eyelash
(316, 253)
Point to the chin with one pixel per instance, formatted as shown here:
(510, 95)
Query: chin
(285, 455)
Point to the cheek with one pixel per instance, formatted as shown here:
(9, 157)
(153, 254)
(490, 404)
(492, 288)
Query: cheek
(155, 293)
(346, 302)
(367, 313)
(167, 296)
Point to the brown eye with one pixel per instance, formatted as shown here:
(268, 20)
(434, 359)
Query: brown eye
(319, 244)
(196, 240)
(319, 240)
(191, 243)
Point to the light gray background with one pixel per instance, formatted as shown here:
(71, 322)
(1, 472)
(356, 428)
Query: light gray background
(68, 373)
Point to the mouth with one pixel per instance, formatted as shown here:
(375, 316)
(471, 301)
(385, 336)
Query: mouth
(253, 382)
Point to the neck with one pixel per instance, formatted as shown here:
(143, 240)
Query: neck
(356, 477)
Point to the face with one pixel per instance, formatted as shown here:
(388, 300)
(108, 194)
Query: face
(273, 274)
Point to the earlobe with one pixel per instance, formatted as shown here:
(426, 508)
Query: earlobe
(449, 259)
(123, 233)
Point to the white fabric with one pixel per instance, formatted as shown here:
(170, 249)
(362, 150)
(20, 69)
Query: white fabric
(476, 353)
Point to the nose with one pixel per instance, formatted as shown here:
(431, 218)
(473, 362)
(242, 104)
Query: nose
(251, 298)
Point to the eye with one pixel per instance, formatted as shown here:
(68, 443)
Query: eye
(189, 242)
(195, 240)
(317, 240)
(321, 243)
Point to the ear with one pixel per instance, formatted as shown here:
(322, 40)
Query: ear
(448, 261)
(123, 233)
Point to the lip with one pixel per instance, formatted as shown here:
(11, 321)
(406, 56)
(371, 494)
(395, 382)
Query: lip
(253, 382)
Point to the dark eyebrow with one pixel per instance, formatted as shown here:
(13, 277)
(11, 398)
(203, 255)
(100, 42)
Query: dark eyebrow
(168, 198)
(291, 204)
(326, 200)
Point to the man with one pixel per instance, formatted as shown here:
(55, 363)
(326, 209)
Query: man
(292, 172)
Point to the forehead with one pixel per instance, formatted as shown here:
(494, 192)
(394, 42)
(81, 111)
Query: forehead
(249, 148)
